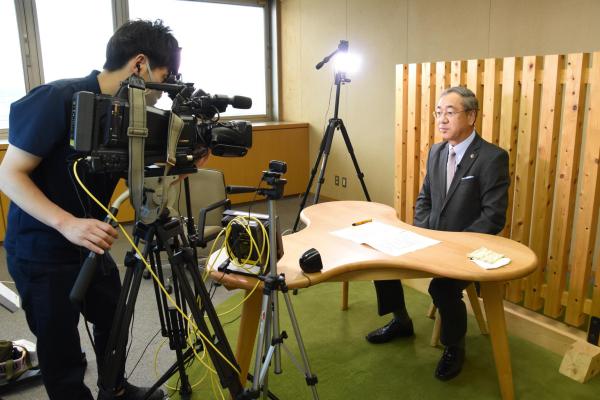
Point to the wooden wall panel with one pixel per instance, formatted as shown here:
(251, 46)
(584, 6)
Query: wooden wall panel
(442, 82)
(474, 82)
(544, 178)
(511, 95)
(400, 140)
(566, 183)
(490, 109)
(524, 170)
(457, 73)
(413, 139)
(586, 214)
(427, 119)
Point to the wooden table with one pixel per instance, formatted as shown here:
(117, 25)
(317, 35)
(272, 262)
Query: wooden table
(344, 260)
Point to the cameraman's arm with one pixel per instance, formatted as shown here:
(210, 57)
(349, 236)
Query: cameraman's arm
(16, 183)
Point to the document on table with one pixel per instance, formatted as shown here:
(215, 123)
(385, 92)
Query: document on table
(386, 238)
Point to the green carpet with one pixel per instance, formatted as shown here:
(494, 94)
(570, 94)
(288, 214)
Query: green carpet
(348, 367)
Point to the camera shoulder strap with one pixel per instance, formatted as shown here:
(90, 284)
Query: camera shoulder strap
(175, 128)
(137, 132)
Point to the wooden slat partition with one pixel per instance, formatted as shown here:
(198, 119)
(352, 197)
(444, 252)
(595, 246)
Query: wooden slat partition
(413, 138)
(509, 117)
(586, 214)
(490, 109)
(474, 71)
(526, 144)
(545, 171)
(545, 112)
(400, 139)
(570, 137)
(427, 120)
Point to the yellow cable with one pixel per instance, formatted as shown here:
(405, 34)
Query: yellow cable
(149, 268)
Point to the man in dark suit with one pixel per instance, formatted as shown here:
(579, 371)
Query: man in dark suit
(465, 189)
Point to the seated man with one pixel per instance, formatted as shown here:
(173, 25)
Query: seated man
(465, 189)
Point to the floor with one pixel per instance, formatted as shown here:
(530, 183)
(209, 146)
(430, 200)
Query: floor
(147, 353)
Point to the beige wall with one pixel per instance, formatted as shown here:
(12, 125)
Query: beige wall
(390, 32)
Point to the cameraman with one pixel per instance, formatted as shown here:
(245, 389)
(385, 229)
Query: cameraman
(51, 223)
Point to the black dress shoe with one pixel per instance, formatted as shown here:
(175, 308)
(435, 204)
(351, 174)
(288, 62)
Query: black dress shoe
(451, 363)
(392, 330)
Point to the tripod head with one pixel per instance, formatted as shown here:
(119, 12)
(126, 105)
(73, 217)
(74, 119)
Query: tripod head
(271, 177)
(343, 46)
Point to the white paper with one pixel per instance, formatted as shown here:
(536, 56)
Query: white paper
(485, 265)
(388, 239)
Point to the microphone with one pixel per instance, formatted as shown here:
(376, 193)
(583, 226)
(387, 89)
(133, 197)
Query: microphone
(241, 102)
(235, 101)
(239, 189)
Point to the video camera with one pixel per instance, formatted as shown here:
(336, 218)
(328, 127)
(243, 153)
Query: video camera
(99, 126)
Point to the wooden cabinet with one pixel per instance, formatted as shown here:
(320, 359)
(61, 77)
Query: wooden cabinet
(283, 141)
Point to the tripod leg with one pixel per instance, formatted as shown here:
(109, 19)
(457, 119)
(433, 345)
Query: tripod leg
(263, 329)
(325, 143)
(354, 160)
(311, 379)
(333, 124)
(276, 332)
(114, 358)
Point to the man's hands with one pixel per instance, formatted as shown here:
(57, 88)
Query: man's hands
(90, 233)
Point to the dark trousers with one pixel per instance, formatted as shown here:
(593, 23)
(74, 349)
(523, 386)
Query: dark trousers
(44, 291)
(447, 297)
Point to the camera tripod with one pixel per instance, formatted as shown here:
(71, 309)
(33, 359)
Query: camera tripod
(334, 124)
(165, 235)
(270, 338)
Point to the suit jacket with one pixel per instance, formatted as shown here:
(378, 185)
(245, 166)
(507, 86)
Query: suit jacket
(478, 196)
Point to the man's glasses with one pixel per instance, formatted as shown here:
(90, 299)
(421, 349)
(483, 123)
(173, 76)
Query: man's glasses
(449, 114)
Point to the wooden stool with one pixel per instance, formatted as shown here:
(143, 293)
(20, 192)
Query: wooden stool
(434, 314)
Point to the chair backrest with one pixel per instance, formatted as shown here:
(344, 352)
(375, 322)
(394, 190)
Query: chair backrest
(207, 186)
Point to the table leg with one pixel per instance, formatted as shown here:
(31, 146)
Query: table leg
(247, 333)
(492, 293)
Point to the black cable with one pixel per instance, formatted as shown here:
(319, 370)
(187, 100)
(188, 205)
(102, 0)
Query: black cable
(232, 321)
(143, 352)
(130, 339)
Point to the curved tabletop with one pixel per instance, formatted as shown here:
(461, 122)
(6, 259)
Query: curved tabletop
(345, 260)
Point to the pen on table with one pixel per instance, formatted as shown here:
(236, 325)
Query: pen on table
(362, 222)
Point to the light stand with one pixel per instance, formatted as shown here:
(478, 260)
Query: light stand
(270, 338)
(334, 124)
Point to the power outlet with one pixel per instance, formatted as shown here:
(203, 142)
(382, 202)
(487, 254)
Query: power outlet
(344, 181)
(337, 180)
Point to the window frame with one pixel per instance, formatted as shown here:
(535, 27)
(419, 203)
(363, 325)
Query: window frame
(32, 62)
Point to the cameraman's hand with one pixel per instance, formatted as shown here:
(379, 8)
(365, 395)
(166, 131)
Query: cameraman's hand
(90, 233)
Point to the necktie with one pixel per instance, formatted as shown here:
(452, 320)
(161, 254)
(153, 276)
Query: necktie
(450, 168)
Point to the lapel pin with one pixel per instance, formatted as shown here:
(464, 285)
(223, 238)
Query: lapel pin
(472, 155)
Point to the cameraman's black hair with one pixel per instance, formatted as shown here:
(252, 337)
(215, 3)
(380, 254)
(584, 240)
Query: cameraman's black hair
(147, 37)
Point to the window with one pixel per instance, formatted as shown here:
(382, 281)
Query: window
(226, 44)
(76, 45)
(223, 46)
(12, 81)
